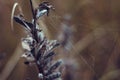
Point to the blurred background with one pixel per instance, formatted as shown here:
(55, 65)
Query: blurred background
(89, 31)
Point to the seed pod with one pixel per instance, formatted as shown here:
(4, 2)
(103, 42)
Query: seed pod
(40, 76)
(49, 55)
(27, 43)
(43, 9)
(53, 76)
(54, 66)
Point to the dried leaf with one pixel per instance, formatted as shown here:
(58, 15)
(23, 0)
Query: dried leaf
(27, 25)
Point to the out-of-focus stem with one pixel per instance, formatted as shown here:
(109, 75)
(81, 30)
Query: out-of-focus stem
(11, 64)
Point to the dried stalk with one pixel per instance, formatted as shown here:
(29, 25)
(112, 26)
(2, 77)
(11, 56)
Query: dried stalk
(38, 49)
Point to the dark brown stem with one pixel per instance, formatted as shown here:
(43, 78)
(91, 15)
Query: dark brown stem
(31, 5)
(34, 21)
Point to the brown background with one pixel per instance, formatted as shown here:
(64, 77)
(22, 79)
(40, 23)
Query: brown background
(94, 36)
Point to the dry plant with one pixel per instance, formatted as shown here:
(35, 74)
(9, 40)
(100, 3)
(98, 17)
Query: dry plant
(38, 49)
